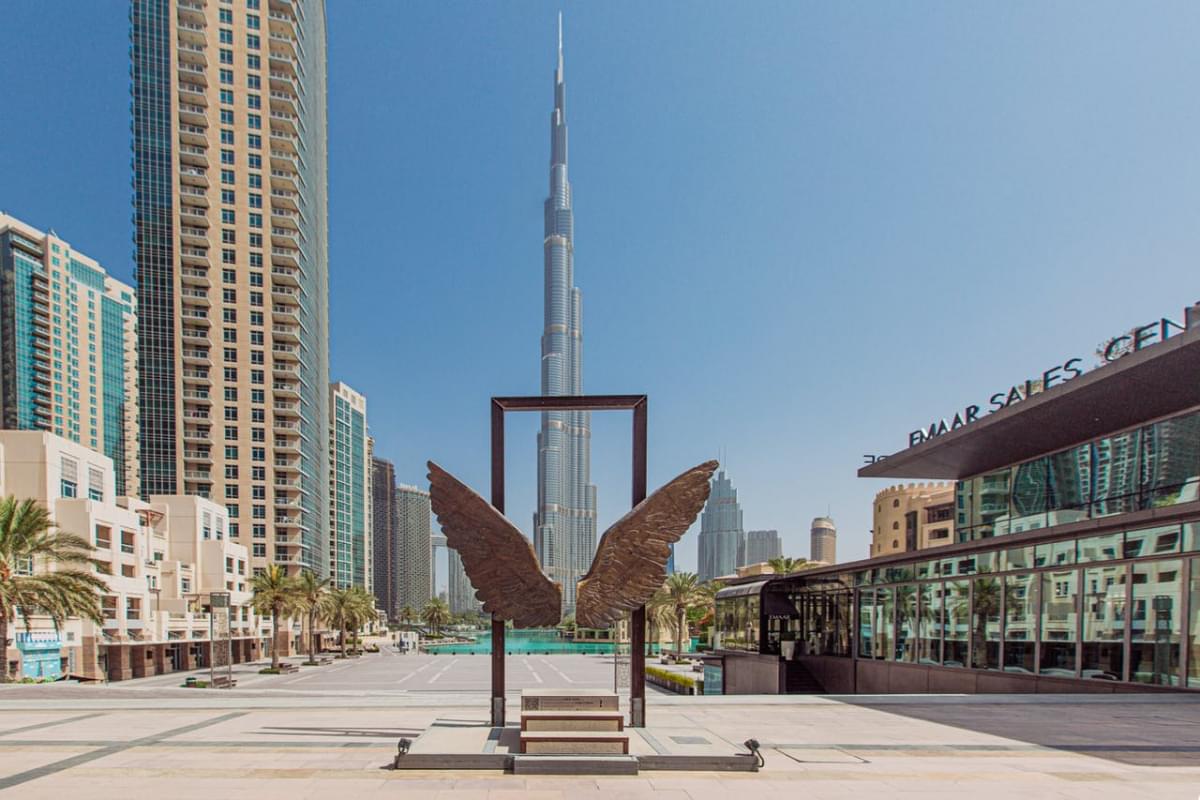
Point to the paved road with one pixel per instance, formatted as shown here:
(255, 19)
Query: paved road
(389, 672)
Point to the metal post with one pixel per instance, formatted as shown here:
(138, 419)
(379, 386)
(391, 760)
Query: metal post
(637, 670)
(498, 643)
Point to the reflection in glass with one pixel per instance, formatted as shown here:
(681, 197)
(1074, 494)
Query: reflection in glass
(1191, 538)
(962, 511)
(1155, 622)
(1020, 622)
(1018, 558)
(985, 623)
(1194, 628)
(1104, 623)
(1171, 461)
(1101, 548)
(1069, 485)
(884, 614)
(906, 622)
(958, 623)
(1029, 490)
(1116, 461)
(866, 621)
(1059, 623)
(929, 630)
(989, 502)
(1055, 554)
(1152, 541)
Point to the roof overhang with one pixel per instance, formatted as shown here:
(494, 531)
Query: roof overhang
(1156, 382)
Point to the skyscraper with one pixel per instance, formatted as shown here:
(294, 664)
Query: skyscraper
(461, 594)
(564, 525)
(350, 500)
(823, 544)
(68, 348)
(721, 535)
(383, 535)
(414, 578)
(230, 190)
(760, 546)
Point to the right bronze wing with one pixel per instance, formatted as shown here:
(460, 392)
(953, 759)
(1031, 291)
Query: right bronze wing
(497, 558)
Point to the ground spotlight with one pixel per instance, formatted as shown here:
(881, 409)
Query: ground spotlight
(752, 746)
(402, 747)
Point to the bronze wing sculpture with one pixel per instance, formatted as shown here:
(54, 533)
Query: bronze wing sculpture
(498, 559)
(629, 565)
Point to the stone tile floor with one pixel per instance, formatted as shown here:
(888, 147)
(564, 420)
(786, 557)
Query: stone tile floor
(81, 743)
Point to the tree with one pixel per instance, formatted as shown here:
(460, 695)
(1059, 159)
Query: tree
(785, 565)
(408, 616)
(347, 608)
(31, 552)
(682, 591)
(309, 591)
(274, 594)
(435, 614)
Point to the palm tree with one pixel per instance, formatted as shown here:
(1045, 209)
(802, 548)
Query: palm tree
(683, 591)
(408, 615)
(785, 565)
(309, 590)
(274, 594)
(31, 549)
(435, 613)
(347, 608)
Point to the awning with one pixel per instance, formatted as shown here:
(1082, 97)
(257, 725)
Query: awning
(741, 590)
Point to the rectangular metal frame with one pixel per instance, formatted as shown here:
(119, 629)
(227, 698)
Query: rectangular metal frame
(636, 403)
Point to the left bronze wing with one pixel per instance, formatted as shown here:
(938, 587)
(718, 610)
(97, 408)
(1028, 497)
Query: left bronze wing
(631, 560)
(497, 558)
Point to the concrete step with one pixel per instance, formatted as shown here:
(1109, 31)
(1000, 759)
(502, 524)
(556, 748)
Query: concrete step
(572, 721)
(574, 765)
(574, 743)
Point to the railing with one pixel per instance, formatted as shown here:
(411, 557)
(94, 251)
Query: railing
(126, 548)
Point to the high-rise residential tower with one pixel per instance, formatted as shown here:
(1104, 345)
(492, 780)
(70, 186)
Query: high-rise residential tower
(760, 546)
(229, 153)
(823, 544)
(721, 532)
(350, 499)
(564, 525)
(383, 535)
(414, 551)
(460, 593)
(68, 348)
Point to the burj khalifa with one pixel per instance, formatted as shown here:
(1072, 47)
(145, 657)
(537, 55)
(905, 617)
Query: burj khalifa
(564, 525)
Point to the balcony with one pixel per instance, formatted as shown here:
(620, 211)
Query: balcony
(284, 100)
(193, 195)
(193, 356)
(287, 446)
(289, 257)
(194, 216)
(284, 161)
(284, 179)
(284, 141)
(203, 456)
(285, 237)
(195, 297)
(193, 72)
(192, 32)
(287, 409)
(285, 313)
(283, 63)
(287, 465)
(286, 333)
(197, 376)
(198, 435)
(192, 53)
(193, 114)
(284, 218)
(191, 11)
(193, 176)
(194, 277)
(197, 475)
(192, 155)
(283, 121)
(283, 370)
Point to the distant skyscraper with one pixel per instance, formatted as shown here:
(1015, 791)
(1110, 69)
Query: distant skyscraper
(414, 578)
(564, 525)
(823, 544)
(350, 500)
(760, 546)
(384, 535)
(461, 593)
(68, 348)
(721, 534)
(230, 210)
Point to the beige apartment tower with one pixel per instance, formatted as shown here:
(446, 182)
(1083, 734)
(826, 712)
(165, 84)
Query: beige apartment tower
(68, 348)
(229, 151)
(823, 541)
(912, 516)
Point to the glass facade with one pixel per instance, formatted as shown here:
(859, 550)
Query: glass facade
(1154, 466)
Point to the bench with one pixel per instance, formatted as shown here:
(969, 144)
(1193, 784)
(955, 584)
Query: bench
(222, 682)
(287, 666)
(324, 660)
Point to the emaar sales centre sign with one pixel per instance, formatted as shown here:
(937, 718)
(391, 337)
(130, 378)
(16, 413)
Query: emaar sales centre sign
(1116, 347)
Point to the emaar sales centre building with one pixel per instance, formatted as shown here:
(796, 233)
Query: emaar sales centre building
(1075, 565)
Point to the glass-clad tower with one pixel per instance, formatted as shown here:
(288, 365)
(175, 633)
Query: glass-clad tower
(564, 526)
(229, 153)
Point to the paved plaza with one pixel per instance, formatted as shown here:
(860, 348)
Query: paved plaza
(331, 732)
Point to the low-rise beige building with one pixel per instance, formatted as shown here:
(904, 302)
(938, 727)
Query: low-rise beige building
(912, 516)
(161, 560)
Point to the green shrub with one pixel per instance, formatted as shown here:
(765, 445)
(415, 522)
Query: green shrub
(268, 671)
(675, 679)
(196, 685)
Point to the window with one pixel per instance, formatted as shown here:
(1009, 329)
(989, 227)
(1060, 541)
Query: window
(231, 433)
(226, 97)
(227, 177)
(231, 470)
(230, 354)
(254, 101)
(256, 278)
(254, 140)
(256, 220)
(226, 37)
(255, 162)
(226, 156)
(228, 237)
(252, 22)
(226, 16)
(256, 202)
(253, 61)
(253, 82)
(259, 531)
(229, 295)
(252, 42)
(228, 256)
(231, 374)
(1059, 595)
(69, 481)
(228, 216)
(227, 197)
(231, 413)
(231, 452)
(1155, 622)
(259, 550)
(226, 76)
(231, 491)
(226, 56)
(254, 121)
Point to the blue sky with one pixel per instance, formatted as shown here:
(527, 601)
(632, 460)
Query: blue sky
(803, 229)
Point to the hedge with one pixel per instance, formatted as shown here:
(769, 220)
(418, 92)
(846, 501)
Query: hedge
(676, 682)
